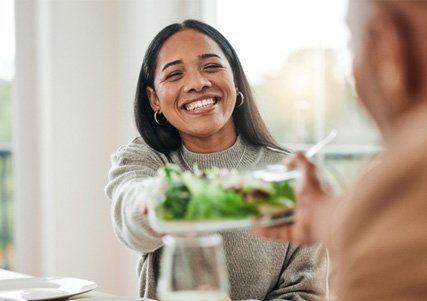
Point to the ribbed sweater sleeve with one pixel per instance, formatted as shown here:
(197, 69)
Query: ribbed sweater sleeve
(130, 187)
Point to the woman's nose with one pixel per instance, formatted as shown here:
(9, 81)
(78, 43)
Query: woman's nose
(196, 81)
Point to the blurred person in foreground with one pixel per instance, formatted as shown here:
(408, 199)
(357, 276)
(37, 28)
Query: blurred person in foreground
(376, 232)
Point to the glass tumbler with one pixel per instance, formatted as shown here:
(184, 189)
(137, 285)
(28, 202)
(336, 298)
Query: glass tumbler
(193, 268)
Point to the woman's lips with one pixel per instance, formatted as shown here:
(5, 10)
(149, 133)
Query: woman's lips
(200, 104)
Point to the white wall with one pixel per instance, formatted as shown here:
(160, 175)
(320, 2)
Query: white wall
(77, 64)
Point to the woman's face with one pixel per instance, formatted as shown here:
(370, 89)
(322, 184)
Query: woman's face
(194, 87)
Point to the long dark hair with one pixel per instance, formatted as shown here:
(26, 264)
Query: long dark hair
(166, 138)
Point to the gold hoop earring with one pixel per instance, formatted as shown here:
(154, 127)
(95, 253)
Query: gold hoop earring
(157, 121)
(242, 99)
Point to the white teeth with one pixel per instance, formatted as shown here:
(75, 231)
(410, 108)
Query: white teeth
(199, 104)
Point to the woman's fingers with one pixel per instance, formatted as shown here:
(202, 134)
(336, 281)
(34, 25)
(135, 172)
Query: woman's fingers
(310, 182)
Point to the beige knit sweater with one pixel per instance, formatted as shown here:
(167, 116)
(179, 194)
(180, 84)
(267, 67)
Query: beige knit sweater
(258, 269)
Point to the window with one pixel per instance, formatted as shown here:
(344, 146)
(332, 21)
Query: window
(296, 57)
(6, 76)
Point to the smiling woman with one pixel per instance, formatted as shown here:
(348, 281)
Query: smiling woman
(192, 76)
(196, 93)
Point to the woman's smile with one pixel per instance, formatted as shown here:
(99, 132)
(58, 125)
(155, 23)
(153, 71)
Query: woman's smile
(201, 105)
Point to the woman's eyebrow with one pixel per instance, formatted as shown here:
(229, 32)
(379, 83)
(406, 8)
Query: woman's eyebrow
(176, 62)
(201, 56)
(208, 55)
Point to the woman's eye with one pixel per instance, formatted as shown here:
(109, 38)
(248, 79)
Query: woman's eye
(212, 67)
(174, 75)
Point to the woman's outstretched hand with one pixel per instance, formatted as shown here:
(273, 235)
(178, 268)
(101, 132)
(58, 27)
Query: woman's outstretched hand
(314, 205)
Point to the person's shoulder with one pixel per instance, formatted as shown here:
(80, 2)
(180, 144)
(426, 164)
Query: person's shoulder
(279, 150)
(276, 153)
(139, 142)
(263, 155)
(138, 150)
(136, 145)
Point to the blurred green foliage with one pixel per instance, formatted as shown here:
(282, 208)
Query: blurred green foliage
(6, 178)
(5, 113)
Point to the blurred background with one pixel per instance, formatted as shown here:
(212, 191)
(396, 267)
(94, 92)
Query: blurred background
(68, 72)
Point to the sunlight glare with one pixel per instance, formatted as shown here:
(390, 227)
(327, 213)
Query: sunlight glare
(7, 39)
(265, 32)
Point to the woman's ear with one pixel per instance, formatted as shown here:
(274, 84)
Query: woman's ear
(236, 87)
(154, 100)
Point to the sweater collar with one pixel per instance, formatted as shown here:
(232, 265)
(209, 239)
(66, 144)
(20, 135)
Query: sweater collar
(229, 158)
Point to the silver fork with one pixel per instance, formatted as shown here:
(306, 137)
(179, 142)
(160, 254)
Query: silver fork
(321, 144)
(279, 172)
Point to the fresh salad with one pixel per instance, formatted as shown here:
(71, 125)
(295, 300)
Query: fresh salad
(220, 194)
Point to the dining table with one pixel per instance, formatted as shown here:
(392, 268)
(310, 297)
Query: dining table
(93, 295)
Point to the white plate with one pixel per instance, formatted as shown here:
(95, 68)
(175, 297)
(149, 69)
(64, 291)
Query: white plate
(43, 288)
(115, 299)
(209, 226)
